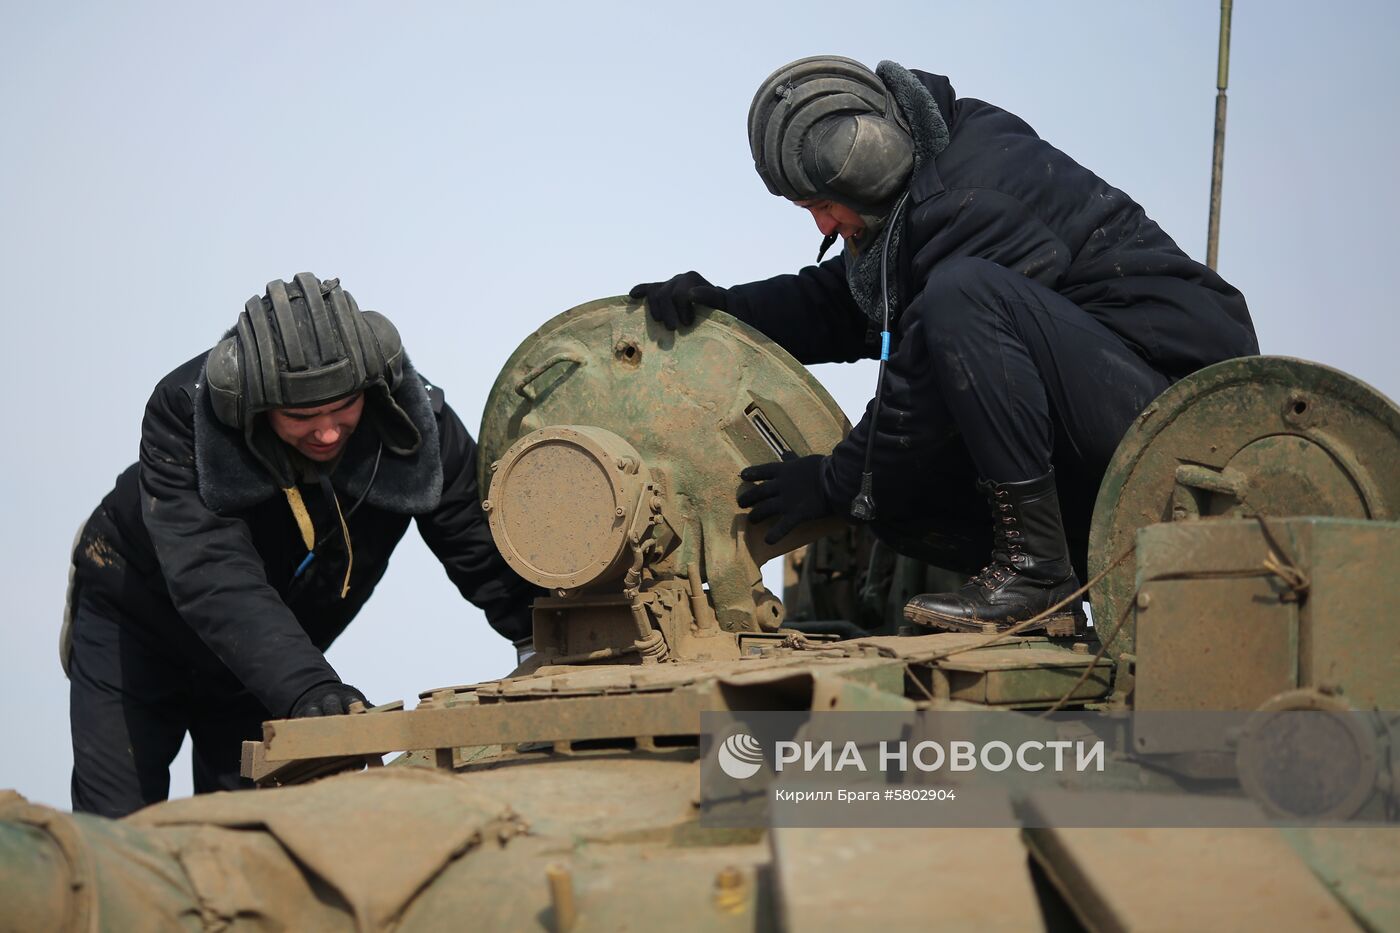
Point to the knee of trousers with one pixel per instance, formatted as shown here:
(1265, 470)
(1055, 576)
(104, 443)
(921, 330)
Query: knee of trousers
(963, 299)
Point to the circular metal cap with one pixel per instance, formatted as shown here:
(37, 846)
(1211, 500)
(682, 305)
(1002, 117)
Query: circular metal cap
(1308, 755)
(560, 504)
(1258, 435)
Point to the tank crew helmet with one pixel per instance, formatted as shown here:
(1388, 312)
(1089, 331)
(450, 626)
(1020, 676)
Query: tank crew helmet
(826, 127)
(302, 344)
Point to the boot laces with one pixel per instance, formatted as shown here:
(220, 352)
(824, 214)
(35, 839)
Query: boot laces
(1007, 555)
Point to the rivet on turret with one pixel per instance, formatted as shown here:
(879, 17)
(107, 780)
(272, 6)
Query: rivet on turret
(486, 505)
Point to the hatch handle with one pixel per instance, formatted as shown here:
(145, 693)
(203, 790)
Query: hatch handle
(522, 388)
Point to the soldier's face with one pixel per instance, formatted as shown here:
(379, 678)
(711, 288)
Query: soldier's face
(832, 217)
(318, 433)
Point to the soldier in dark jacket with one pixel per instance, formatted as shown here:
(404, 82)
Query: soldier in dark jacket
(1028, 311)
(277, 473)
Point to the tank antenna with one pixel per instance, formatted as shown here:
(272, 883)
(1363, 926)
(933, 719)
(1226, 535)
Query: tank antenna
(1217, 161)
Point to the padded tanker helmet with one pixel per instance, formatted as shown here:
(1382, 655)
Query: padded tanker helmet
(826, 127)
(302, 344)
(305, 343)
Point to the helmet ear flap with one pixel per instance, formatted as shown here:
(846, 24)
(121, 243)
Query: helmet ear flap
(387, 346)
(223, 374)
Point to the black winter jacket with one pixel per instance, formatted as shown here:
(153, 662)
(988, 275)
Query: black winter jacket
(1001, 193)
(195, 548)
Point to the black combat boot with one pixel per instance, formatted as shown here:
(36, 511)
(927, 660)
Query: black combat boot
(1030, 569)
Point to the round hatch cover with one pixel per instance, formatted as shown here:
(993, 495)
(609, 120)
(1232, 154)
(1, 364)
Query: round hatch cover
(1259, 435)
(561, 501)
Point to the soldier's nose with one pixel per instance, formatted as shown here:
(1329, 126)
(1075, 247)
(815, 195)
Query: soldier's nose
(825, 222)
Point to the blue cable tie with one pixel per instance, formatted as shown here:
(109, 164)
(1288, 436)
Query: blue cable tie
(305, 562)
(884, 345)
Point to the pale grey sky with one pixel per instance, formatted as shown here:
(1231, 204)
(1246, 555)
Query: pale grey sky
(473, 170)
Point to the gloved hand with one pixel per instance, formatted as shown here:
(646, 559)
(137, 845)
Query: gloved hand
(672, 303)
(328, 699)
(790, 489)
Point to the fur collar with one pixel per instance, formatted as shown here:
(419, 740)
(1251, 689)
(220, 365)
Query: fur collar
(919, 109)
(232, 479)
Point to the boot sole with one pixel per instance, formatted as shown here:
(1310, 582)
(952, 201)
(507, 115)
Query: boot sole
(1060, 625)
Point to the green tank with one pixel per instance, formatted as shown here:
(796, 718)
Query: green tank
(1241, 545)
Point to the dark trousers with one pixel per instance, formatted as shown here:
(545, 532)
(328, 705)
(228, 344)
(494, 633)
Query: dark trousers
(999, 378)
(130, 706)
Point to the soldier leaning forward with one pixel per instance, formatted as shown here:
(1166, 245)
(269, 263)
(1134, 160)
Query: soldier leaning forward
(276, 475)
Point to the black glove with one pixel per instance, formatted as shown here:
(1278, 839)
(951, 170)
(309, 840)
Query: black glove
(328, 699)
(672, 303)
(790, 489)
